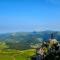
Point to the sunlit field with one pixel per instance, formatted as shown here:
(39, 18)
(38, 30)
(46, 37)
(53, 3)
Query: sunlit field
(17, 55)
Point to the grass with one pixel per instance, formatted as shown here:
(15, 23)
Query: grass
(5, 57)
(17, 55)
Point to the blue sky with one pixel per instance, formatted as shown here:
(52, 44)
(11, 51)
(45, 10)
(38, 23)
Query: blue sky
(29, 15)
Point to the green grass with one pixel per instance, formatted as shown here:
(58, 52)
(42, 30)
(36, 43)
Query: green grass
(17, 55)
(20, 57)
(5, 57)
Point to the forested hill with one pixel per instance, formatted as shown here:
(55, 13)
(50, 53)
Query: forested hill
(19, 36)
(23, 40)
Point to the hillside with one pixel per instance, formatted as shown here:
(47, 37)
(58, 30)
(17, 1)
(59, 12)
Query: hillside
(24, 40)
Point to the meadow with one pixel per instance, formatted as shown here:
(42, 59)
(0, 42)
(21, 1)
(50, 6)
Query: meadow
(17, 55)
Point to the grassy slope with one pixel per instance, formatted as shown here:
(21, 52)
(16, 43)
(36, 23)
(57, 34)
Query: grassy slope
(17, 55)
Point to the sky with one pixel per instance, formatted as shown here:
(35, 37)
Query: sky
(29, 15)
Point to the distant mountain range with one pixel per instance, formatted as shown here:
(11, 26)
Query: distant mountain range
(18, 36)
(25, 39)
